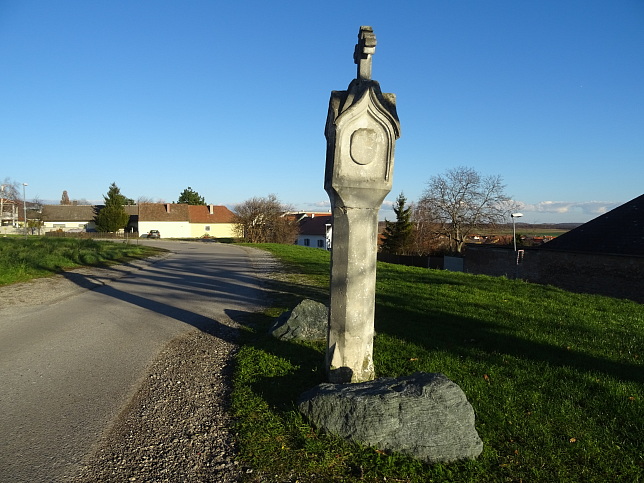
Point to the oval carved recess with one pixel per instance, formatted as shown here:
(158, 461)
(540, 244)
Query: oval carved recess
(365, 145)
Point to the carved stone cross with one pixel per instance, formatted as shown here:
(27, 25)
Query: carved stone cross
(365, 48)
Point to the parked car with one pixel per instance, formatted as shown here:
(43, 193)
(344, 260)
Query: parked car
(154, 234)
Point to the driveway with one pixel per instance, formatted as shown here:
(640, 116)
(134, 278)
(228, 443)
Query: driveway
(71, 358)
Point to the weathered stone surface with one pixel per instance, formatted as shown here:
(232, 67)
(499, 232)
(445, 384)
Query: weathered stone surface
(308, 321)
(424, 415)
(361, 131)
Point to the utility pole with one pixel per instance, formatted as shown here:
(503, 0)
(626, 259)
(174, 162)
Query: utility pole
(1, 204)
(24, 205)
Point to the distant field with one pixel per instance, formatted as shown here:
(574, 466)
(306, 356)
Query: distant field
(523, 230)
(543, 232)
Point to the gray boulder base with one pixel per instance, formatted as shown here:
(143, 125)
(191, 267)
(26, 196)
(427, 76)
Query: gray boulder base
(307, 321)
(424, 415)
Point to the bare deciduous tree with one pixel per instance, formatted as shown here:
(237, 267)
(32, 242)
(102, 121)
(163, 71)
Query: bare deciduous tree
(460, 201)
(10, 190)
(34, 215)
(9, 193)
(263, 220)
(426, 239)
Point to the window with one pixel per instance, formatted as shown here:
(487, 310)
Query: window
(320, 243)
(307, 242)
(207, 227)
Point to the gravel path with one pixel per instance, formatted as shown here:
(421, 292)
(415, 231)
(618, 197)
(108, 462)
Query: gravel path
(176, 428)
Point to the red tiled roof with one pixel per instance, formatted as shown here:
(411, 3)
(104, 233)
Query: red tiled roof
(163, 212)
(201, 214)
(312, 214)
(145, 211)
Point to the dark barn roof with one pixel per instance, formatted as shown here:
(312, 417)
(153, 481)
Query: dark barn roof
(80, 213)
(315, 226)
(618, 232)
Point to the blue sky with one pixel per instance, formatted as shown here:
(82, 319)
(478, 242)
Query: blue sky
(230, 98)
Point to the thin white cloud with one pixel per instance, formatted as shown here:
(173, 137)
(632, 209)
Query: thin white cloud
(543, 211)
(586, 207)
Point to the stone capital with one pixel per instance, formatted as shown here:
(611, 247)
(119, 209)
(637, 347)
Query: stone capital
(361, 130)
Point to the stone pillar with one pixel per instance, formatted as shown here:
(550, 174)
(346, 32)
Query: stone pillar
(361, 130)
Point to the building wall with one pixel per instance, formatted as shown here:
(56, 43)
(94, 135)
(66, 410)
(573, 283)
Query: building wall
(217, 230)
(314, 241)
(9, 214)
(168, 229)
(612, 275)
(68, 225)
(10, 230)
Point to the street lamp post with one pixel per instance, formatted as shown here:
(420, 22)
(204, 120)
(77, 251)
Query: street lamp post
(24, 205)
(514, 228)
(514, 239)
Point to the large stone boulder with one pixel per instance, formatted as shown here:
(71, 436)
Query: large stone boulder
(424, 415)
(307, 321)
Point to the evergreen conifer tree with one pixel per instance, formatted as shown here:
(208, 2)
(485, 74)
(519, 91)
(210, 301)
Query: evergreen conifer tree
(112, 217)
(191, 197)
(398, 234)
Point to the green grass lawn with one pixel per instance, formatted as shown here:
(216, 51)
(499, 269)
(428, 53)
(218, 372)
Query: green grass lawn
(22, 259)
(556, 379)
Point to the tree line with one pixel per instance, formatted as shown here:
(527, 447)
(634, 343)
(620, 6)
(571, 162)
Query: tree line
(112, 216)
(257, 220)
(453, 206)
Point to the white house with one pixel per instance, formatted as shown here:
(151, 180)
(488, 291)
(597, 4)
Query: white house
(68, 217)
(315, 231)
(185, 221)
(171, 220)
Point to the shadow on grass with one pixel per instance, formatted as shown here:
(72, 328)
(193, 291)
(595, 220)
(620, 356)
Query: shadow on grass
(441, 330)
(303, 363)
(460, 335)
(539, 393)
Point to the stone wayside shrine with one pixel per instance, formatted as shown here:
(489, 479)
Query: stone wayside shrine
(426, 416)
(361, 130)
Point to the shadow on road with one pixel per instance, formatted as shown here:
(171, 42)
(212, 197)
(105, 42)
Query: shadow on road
(199, 294)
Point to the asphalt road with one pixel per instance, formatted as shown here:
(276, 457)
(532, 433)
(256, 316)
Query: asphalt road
(68, 367)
